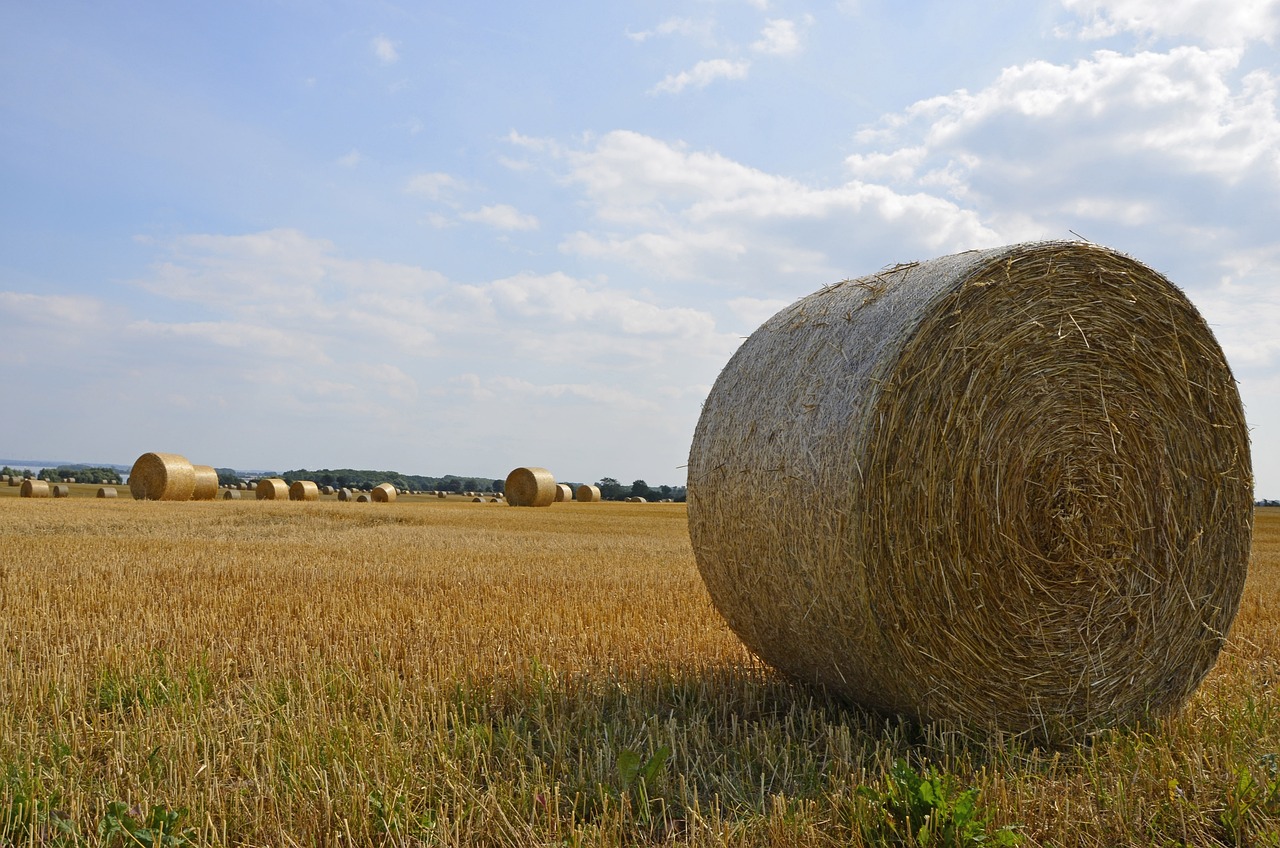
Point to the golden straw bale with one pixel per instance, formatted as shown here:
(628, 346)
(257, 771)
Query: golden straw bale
(162, 477)
(60, 490)
(362, 498)
(531, 487)
(326, 490)
(272, 489)
(231, 495)
(477, 499)
(206, 488)
(442, 495)
(33, 489)
(1011, 488)
(564, 492)
(107, 492)
(588, 494)
(344, 494)
(304, 490)
(384, 493)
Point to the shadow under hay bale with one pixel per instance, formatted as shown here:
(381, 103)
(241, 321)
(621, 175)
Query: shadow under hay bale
(162, 477)
(530, 487)
(1011, 487)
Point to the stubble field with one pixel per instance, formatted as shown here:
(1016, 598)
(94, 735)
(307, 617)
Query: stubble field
(277, 673)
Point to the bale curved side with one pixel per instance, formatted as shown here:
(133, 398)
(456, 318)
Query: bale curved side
(162, 477)
(272, 489)
(1013, 489)
(206, 483)
(384, 493)
(304, 490)
(530, 486)
(33, 489)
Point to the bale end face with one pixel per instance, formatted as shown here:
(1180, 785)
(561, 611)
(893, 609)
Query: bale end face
(384, 493)
(530, 486)
(162, 477)
(272, 489)
(304, 490)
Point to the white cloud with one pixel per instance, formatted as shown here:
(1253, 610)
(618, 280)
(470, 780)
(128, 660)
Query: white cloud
(701, 75)
(754, 311)
(778, 38)
(676, 26)
(350, 160)
(502, 217)
(434, 185)
(385, 49)
(1212, 22)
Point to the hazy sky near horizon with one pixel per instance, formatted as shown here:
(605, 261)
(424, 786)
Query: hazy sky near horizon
(458, 238)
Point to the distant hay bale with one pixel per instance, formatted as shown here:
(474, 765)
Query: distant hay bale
(15, 481)
(231, 495)
(1009, 488)
(33, 489)
(477, 499)
(564, 492)
(272, 489)
(362, 498)
(442, 494)
(530, 487)
(69, 480)
(107, 492)
(206, 488)
(384, 493)
(162, 477)
(588, 494)
(344, 494)
(60, 490)
(304, 490)
(326, 490)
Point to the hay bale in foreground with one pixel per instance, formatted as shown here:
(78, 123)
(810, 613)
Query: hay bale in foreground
(162, 477)
(107, 492)
(564, 492)
(530, 487)
(272, 489)
(33, 489)
(304, 490)
(1010, 487)
(588, 494)
(384, 493)
(206, 488)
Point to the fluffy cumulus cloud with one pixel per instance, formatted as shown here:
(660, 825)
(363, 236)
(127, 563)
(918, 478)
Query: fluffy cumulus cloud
(1210, 22)
(689, 215)
(778, 38)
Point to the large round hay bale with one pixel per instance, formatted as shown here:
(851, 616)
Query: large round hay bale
(33, 489)
(564, 492)
(384, 493)
(588, 494)
(231, 495)
(107, 492)
(60, 490)
(304, 490)
(1009, 487)
(530, 487)
(206, 488)
(272, 489)
(162, 477)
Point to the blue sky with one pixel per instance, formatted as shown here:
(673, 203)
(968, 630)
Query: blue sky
(458, 238)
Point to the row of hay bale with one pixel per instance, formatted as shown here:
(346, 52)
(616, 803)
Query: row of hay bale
(32, 488)
(534, 486)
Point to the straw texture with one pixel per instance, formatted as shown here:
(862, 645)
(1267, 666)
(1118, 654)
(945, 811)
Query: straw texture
(162, 477)
(107, 492)
(206, 488)
(564, 492)
(1011, 487)
(384, 493)
(33, 489)
(272, 489)
(530, 487)
(304, 490)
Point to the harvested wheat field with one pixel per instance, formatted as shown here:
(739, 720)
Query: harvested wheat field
(280, 673)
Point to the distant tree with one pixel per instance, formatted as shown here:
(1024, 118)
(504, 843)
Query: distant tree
(610, 489)
(499, 486)
(640, 489)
